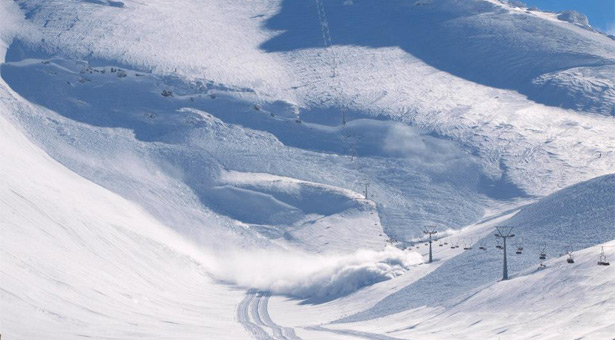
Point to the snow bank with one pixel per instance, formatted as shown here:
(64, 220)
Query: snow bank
(310, 276)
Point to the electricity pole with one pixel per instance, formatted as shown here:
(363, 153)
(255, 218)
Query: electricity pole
(431, 230)
(504, 233)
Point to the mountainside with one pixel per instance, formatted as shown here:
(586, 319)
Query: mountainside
(265, 169)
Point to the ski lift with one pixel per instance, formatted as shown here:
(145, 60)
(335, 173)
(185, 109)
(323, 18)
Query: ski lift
(543, 254)
(519, 244)
(603, 261)
(440, 243)
(466, 246)
(570, 259)
(482, 246)
(452, 243)
(498, 244)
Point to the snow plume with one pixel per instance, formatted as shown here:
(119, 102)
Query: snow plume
(313, 276)
(406, 141)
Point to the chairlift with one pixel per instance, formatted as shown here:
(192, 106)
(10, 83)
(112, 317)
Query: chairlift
(570, 259)
(519, 244)
(482, 247)
(466, 246)
(603, 261)
(543, 254)
(440, 243)
(498, 244)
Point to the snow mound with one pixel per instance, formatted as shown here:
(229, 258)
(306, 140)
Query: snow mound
(313, 277)
(574, 17)
(589, 89)
(269, 199)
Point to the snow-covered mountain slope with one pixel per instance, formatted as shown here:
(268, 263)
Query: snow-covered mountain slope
(286, 166)
(460, 294)
(562, 301)
(192, 139)
(574, 218)
(425, 65)
(77, 260)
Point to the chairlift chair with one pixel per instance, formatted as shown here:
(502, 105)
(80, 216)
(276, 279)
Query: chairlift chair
(467, 246)
(570, 259)
(543, 254)
(603, 261)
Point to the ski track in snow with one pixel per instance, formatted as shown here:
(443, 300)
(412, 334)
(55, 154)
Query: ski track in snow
(252, 314)
(243, 316)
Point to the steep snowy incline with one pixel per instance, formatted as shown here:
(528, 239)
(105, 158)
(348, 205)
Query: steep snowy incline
(463, 70)
(195, 136)
(563, 301)
(460, 295)
(77, 260)
(574, 218)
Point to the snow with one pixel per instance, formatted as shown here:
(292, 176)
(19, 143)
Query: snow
(460, 295)
(182, 169)
(563, 301)
(78, 260)
(315, 278)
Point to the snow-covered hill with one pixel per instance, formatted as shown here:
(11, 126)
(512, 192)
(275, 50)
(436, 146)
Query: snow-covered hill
(460, 295)
(215, 168)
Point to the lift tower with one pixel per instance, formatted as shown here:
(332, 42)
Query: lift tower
(430, 230)
(504, 233)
